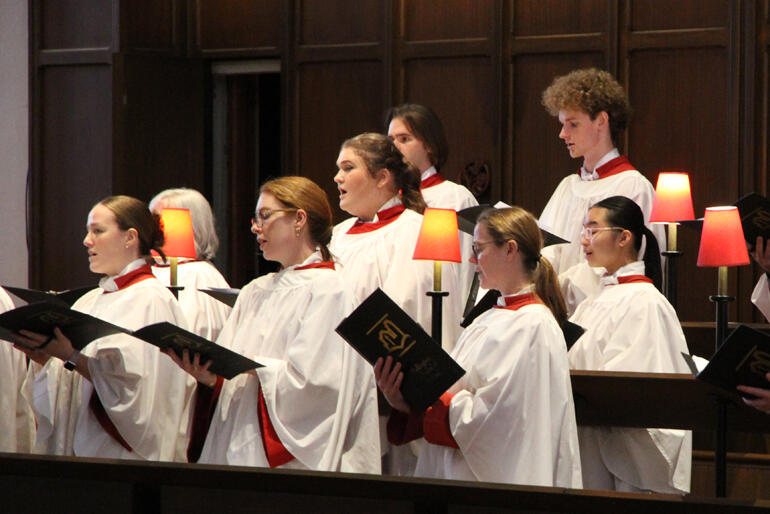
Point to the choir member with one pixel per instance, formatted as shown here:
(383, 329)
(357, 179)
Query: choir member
(380, 189)
(205, 315)
(17, 425)
(593, 110)
(761, 298)
(629, 326)
(118, 397)
(511, 417)
(418, 134)
(313, 405)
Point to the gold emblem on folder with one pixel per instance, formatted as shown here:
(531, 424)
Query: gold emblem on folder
(760, 362)
(391, 336)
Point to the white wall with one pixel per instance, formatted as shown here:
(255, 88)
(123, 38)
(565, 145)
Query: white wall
(14, 141)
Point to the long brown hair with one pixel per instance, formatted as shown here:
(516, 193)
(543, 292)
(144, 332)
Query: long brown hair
(426, 126)
(302, 193)
(133, 213)
(518, 224)
(378, 152)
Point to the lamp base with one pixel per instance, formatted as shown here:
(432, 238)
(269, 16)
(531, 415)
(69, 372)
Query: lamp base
(669, 285)
(175, 290)
(435, 330)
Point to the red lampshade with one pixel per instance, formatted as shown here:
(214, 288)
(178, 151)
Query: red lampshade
(178, 230)
(722, 242)
(673, 201)
(438, 239)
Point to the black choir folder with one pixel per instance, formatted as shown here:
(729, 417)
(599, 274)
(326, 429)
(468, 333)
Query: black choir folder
(378, 328)
(754, 210)
(743, 359)
(83, 328)
(66, 298)
(226, 295)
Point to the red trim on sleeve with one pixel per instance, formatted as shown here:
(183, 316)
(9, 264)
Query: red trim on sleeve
(95, 404)
(431, 181)
(634, 279)
(276, 452)
(133, 277)
(436, 423)
(206, 399)
(403, 428)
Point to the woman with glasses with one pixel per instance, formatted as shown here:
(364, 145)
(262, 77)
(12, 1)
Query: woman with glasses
(205, 315)
(511, 417)
(313, 404)
(629, 326)
(118, 397)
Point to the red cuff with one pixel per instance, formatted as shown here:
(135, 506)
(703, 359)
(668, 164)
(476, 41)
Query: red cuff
(206, 399)
(403, 428)
(276, 452)
(436, 423)
(95, 404)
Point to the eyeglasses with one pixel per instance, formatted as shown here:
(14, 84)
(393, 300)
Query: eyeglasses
(264, 214)
(590, 232)
(477, 246)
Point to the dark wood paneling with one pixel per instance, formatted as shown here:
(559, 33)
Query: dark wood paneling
(75, 169)
(662, 14)
(237, 28)
(153, 25)
(75, 23)
(552, 17)
(335, 22)
(468, 109)
(540, 159)
(159, 126)
(334, 101)
(429, 20)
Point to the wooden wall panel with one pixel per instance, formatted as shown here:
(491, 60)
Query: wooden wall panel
(74, 23)
(236, 28)
(467, 110)
(334, 22)
(430, 20)
(336, 100)
(540, 159)
(553, 17)
(153, 25)
(663, 15)
(75, 170)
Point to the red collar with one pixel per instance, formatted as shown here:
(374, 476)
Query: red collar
(634, 279)
(318, 265)
(613, 167)
(133, 277)
(384, 217)
(515, 303)
(434, 180)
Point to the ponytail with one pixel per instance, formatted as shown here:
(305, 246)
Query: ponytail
(651, 258)
(548, 289)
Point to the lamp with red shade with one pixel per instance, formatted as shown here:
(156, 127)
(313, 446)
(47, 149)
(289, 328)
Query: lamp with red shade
(672, 203)
(180, 239)
(438, 241)
(721, 245)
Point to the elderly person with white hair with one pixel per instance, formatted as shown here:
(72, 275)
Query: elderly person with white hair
(205, 315)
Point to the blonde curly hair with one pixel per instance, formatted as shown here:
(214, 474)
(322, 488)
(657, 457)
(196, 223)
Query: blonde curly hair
(592, 91)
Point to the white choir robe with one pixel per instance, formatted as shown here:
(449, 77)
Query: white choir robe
(450, 195)
(17, 424)
(761, 296)
(632, 327)
(320, 394)
(566, 210)
(383, 258)
(145, 395)
(205, 315)
(512, 414)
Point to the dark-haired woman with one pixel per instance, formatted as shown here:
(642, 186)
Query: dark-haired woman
(118, 397)
(511, 417)
(630, 326)
(313, 404)
(381, 190)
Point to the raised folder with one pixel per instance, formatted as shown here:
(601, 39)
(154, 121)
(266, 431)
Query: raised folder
(379, 328)
(81, 329)
(743, 359)
(226, 295)
(67, 298)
